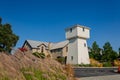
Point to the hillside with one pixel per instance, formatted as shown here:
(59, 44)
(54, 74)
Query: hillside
(25, 66)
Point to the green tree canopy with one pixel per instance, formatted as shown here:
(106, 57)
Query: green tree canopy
(7, 38)
(108, 53)
(95, 51)
(0, 20)
(119, 51)
(95, 48)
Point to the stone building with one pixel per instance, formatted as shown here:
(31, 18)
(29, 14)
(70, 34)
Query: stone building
(74, 48)
(59, 49)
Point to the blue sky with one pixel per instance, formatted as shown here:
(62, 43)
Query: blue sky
(46, 20)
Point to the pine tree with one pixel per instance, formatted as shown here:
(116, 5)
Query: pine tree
(95, 51)
(108, 53)
(119, 51)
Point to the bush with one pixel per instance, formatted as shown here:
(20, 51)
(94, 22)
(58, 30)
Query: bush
(23, 49)
(116, 63)
(61, 60)
(84, 65)
(95, 63)
(39, 55)
(107, 64)
(42, 55)
(48, 56)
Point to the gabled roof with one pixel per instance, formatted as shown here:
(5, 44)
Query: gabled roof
(35, 44)
(59, 45)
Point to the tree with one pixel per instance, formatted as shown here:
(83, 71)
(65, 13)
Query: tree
(95, 51)
(0, 20)
(119, 51)
(108, 53)
(7, 38)
(95, 48)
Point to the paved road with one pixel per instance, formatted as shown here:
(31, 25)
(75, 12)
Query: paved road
(91, 72)
(108, 77)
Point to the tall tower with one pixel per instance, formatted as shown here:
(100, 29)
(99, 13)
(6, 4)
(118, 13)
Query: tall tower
(77, 47)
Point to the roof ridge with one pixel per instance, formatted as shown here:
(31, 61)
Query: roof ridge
(38, 41)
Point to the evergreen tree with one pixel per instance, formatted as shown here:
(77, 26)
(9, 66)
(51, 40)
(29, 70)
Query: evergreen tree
(95, 51)
(108, 53)
(7, 38)
(119, 51)
(95, 48)
(0, 20)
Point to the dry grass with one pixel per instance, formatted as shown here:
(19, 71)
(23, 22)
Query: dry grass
(95, 63)
(116, 62)
(70, 72)
(11, 65)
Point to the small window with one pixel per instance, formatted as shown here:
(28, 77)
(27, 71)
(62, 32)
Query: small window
(71, 57)
(84, 44)
(83, 29)
(70, 29)
(42, 49)
(66, 49)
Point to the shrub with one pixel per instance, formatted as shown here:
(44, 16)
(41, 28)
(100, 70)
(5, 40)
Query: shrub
(116, 63)
(42, 55)
(107, 64)
(95, 63)
(36, 54)
(48, 56)
(84, 65)
(61, 60)
(39, 55)
(23, 49)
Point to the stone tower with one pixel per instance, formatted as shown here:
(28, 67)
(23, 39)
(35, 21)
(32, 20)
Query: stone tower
(77, 47)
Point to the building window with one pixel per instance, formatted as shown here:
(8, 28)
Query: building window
(70, 29)
(66, 49)
(42, 49)
(71, 57)
(83, 29)
(84, 44)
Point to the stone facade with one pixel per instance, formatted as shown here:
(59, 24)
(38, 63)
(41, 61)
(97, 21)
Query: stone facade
(55, 49)
(74, 48)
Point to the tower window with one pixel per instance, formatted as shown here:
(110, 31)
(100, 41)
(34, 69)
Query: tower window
(84, 44)
(70, 29)
(83, 29)
(71, 57)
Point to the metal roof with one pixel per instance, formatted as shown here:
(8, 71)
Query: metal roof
(35, 44)
(59, 45)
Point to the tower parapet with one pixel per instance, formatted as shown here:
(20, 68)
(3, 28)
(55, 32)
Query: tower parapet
(77, 31)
